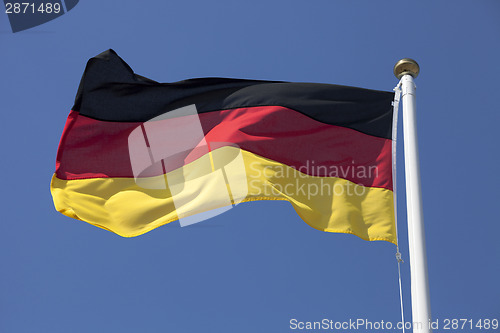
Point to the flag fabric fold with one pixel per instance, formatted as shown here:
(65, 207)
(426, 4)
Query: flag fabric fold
(129, 162)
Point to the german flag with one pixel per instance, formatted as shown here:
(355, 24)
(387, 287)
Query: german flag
(136, 154)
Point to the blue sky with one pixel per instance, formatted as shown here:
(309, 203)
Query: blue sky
(258, 266)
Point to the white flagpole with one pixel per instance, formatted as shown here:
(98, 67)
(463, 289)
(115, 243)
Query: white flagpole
(407, 70)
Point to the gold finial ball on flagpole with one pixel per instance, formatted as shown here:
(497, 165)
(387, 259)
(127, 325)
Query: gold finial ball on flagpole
(406, 66)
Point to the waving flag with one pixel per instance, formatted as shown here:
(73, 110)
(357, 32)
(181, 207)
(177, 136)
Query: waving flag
(136, 154)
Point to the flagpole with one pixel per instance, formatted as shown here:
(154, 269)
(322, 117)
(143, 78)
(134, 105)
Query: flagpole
(406, 70)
